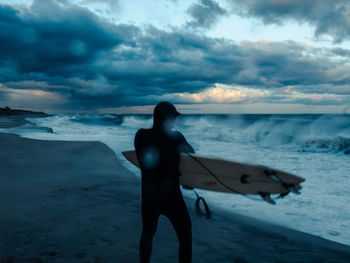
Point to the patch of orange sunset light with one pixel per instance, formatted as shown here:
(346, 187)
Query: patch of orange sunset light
(31, 92)
(221, 94)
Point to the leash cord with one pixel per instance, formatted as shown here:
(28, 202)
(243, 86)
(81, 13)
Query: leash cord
(228, 187)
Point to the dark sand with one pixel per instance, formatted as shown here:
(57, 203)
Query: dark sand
(73, 202)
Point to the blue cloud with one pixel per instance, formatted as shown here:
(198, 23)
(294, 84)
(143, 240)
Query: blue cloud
(205, 14)
(95, 63)
(330, 17)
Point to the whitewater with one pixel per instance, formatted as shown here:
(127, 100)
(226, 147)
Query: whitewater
(315, 147)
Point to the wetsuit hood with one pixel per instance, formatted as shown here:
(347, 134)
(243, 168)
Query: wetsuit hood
(162, 111)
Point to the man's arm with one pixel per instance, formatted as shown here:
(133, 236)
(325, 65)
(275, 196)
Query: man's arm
(184, 146)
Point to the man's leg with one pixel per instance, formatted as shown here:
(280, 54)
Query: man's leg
(150, 218)
(181, 221)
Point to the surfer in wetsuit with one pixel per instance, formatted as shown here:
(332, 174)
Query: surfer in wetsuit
(158, 152)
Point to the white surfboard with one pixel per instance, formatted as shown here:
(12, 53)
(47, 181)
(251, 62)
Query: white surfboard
(222, 175)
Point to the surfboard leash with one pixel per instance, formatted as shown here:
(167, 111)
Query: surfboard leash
(265, 196)
(223, 184)
(206, 207)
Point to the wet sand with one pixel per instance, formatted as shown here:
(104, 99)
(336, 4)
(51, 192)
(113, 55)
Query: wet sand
(65, 201)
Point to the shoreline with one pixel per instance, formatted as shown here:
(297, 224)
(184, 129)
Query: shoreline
(66, 201)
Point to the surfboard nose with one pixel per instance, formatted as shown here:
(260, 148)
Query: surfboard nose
(127, 154)
(131, 157)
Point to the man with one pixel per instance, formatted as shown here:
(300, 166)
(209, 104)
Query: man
(158, 152)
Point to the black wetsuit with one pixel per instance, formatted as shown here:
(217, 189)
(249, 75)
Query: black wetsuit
(158, 153)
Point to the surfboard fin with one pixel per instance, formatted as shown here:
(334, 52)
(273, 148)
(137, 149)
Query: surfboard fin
(273, 176)
(294, 190)
(267, 198)
(290, 187)
(283, 195)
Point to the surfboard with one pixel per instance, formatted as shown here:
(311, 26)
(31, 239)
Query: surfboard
(222, 175)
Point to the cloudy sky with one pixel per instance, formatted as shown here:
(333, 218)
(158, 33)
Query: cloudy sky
(206, 56)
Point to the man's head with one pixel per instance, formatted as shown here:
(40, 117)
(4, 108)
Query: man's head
(164, 114)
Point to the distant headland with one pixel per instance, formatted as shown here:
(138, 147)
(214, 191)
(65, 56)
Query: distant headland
(7, 111)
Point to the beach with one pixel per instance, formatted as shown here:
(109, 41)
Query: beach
(73, 201)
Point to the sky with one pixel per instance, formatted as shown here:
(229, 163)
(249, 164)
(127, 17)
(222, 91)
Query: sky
(205, 56)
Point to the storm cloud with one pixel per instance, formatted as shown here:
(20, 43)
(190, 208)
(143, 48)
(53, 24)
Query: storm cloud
(330, 17)
(205, 14)
(53, 39)
(65, 49)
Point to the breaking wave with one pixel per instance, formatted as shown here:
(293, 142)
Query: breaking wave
(301, 132)
(94, 119)
(339, 144)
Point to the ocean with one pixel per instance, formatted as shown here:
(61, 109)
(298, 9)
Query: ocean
(313, 146)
